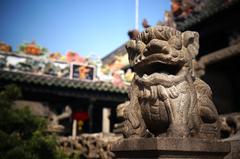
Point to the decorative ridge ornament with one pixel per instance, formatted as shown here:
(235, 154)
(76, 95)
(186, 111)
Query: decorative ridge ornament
(32, 49)
(166, 99)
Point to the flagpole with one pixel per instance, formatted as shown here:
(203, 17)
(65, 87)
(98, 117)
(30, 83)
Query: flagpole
(136, 13)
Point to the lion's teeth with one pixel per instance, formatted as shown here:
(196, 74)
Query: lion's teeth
(145, 76)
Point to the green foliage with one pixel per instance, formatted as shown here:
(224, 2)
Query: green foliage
(23, 135)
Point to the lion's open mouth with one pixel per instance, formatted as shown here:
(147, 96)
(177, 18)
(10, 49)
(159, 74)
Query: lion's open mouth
(155, 72)
(158, 67)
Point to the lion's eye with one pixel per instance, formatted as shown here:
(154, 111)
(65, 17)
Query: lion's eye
(178, 44)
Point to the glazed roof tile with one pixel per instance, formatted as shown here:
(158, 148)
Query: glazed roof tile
(52, 81)
(212, 7)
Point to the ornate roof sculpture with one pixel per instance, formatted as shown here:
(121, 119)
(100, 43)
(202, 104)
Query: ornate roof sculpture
(33, 58)
(5, 47)
(32, 49)
(71, 72)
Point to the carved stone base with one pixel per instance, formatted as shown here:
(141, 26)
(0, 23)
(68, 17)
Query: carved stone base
(170, 148)
(235, 147)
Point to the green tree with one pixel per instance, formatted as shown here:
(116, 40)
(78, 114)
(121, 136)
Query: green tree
(22, 135)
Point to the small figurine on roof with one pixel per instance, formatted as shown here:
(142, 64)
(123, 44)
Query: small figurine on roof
(5, 47)
(169, 19)
(32, 49)
(117, 64)
(56, 56)
(117, 79)
(133, 34)
(74, 57)
(104, 73)
(181, 9)
(145, 24)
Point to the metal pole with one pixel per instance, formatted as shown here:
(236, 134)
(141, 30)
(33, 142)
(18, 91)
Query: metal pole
(136, 14)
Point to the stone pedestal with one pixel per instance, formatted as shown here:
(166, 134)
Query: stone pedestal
(170, 148)
(235, 147)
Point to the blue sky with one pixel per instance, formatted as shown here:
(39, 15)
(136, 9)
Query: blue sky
(85, 26)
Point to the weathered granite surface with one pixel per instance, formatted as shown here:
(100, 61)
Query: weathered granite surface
(235, 146)
(230, 132)
(170, 148)
(166, 98)
(229, 124)
(168, 101)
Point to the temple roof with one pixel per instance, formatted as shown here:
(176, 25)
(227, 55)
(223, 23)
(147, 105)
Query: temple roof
(211, 8)
(51, 81)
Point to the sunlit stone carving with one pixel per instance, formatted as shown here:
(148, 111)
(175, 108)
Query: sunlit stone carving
(166, 98)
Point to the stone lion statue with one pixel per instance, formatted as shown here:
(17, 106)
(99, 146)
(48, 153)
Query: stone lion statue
(166, 98)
